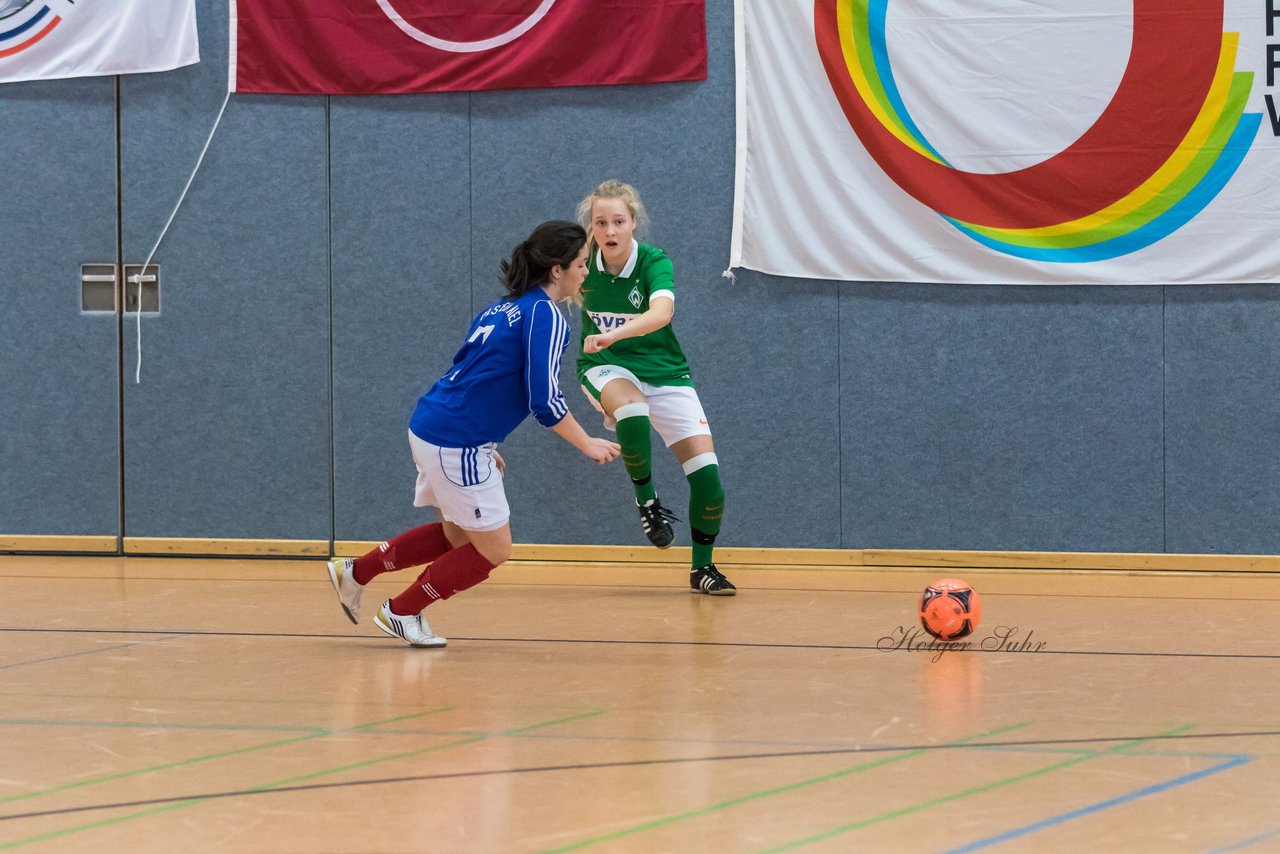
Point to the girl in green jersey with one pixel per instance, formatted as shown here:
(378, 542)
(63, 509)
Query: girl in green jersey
(634, 371)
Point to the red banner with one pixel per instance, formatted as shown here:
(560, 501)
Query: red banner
(366, 47)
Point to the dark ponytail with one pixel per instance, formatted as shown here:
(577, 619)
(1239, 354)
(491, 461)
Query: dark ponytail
(552, 244)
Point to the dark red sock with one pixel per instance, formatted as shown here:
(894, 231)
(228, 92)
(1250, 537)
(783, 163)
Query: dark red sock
(412, 548)
(451, 573)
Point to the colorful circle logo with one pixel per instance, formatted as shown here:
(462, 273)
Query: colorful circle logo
(1171, 138)
(23, 23)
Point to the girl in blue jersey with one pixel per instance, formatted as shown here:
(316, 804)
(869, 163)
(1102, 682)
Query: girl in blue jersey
(508, 368)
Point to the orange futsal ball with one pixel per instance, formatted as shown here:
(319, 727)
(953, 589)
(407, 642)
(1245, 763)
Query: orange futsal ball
(950, 609)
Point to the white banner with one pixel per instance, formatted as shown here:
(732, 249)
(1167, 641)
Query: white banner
(47, 39)
(984, 141)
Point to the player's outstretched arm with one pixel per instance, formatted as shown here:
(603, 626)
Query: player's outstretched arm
(597, 450)
(659, 315)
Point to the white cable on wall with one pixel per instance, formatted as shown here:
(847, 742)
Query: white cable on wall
(137, 277)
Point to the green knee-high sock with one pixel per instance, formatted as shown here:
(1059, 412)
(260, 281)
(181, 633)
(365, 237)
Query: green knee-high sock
(706, 509)
(637, 452)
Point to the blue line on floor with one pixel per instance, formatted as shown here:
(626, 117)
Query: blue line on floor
(1245, 843)
(1101, 805)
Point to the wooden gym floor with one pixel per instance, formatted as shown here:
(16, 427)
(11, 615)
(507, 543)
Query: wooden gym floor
(161, 705)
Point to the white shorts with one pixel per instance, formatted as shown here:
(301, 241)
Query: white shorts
(674, 410)
(463, 482)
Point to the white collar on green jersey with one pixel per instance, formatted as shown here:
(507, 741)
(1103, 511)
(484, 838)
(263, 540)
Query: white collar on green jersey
(628, 268)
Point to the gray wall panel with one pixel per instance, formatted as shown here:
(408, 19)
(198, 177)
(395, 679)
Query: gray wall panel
(401, 290)
(1223, 415)
(769, 371)
(59, 419)
(228, 433)
(1001, 417)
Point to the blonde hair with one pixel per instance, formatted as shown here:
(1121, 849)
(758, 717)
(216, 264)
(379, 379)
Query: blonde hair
(613, 189)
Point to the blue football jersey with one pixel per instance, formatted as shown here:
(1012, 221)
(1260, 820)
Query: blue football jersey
(508, 367)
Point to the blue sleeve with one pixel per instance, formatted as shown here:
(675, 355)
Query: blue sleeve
(546, 336)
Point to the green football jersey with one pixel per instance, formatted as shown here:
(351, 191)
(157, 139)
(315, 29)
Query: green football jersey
(609, 301)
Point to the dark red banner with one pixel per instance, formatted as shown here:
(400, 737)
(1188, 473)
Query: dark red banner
(368, 47)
